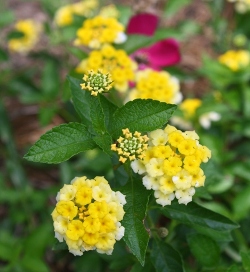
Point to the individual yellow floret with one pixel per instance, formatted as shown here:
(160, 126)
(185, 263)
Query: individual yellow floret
(187, 147)
(83, 195)
(189, 106)
(66, 209)
(75, 230)
(175, 138)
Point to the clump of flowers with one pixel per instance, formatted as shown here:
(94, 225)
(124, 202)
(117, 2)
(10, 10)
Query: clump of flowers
(156, 85)
(109, 11)
(131, 146)
(171, 165)
(96, 82)
(235, 59)
(110, 60)
(65, 15)
(88, 214)
(31, 31)
(189, 106)
(100, 30)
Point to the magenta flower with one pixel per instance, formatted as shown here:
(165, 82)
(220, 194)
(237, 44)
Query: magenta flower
(161, 54)
(143, 24)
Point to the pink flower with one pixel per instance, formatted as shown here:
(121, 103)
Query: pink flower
(143, 24)
(162, 53)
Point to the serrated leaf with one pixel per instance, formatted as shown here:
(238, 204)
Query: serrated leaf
(104, 142)
(195, 215)
(245, 255)
(165, 258)
(81, 100)
(61, 143)
(141, 115)
(205, 250)
(136, 236)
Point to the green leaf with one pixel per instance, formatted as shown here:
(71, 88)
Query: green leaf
(15, 35)
(205, 250)
(245, 259)
(136, 236)
(195, 215)
(246, 100)
(104, 142)
(241, 204)
(234, 268)
(81, 100)
(141, 115)
(165, 258)
(61, 143)
(172, 6)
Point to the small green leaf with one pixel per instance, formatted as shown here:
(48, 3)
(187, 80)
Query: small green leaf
(136, 236)
(205, 250)
(104, 142)
(81, 100)
(61, 143)
(245, 260)
(15, 35)
(141, 115)
(195, 215)
(241, 204)
(165, 258)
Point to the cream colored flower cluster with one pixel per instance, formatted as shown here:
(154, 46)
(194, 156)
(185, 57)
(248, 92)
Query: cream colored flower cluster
(158, 85)
(241, 6)
(235, 59)
(131, 146)
(88, 214)
(110, 60)
(171, 165)
(98, 31)
(31, 31)
(97, 82)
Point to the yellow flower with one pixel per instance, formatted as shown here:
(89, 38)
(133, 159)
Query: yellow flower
(156, 85)
(235, 60)
(109, 60)
(89, 212)
(109, 11)
(189, 106)
(31, 31)
(98, 31)
(173, 169)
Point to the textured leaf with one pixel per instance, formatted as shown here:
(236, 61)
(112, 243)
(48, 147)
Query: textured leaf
(205, 250)
(165, 258)
(141, 115)
(81, 100)
(136, 236)
(104, 142)
(61, 143)
(195, 215)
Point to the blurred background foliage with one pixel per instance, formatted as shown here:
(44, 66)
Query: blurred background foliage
(35, 96)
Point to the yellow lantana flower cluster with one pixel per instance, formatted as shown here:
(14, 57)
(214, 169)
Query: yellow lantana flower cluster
(131, 146)
(88, 214)
(96, 82)
(65, 15)
(100, 30)
(110, 60)
(31, 31)
(171, 165)
(189, 106)
(158, 85)
(235, 59)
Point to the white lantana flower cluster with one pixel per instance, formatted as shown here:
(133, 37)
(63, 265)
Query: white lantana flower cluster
(88, 214)
(171, 165)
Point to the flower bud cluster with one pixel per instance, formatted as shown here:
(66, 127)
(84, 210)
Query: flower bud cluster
(171, 165)
(88, 214)
(158, 85)
(99, 30)
(96, 82)
(131, 146)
